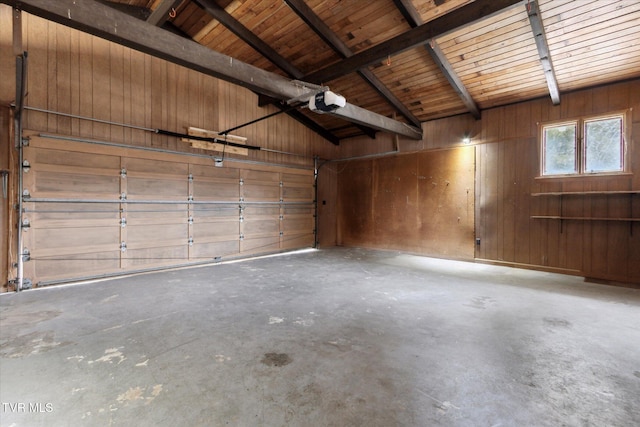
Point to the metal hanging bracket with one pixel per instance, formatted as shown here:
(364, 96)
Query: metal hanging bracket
(26, 166)
(26, 284)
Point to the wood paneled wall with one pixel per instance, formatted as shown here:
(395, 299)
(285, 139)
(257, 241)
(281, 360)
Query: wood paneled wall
(507, 176)
(506, 144)
(327, 204)
(75, 73)
(422, 202)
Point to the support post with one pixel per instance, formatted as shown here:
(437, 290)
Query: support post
(21, 77)
(315, 201)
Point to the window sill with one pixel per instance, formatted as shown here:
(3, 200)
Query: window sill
(585, 176)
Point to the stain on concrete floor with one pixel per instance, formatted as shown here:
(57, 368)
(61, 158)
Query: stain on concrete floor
(276, 359)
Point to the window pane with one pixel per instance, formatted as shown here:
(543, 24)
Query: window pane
(603, 145)
(559, 149)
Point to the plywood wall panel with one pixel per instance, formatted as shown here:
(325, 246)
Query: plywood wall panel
(420, 203)
(395, 201)
(355, 203)
(327, 206)
(446, 195)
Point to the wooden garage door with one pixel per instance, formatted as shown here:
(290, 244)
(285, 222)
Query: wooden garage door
(96, 210)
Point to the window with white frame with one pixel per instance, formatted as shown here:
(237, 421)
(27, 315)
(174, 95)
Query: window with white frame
(584, 146)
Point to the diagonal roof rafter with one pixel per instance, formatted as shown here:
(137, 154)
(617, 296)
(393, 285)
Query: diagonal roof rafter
(414, 19)
(417, 36)
(537, 27)
(237, 28)
(145, 14)
(332, 40)
(161, 13)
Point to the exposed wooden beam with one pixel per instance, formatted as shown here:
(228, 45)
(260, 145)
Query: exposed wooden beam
(17, 33)
(161, 13)
(359, 115)
(463, 16)
(325, 33)
(410, 13)
(171, 27)
(144, 14)
(236, 27)
(450, 74)
(314, 22)
(264, 100)
(103, 21)
(543, 50)
(306, 121)
(233, 25)
(135, 11)
(297, 115)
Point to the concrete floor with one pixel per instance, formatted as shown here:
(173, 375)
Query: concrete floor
(339, 337)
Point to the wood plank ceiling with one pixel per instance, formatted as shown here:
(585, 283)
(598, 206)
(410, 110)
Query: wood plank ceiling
(487, 63)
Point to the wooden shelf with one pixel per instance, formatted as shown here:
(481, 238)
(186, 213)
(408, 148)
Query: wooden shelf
(630, 219)
(585, 193)
(580, 218)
